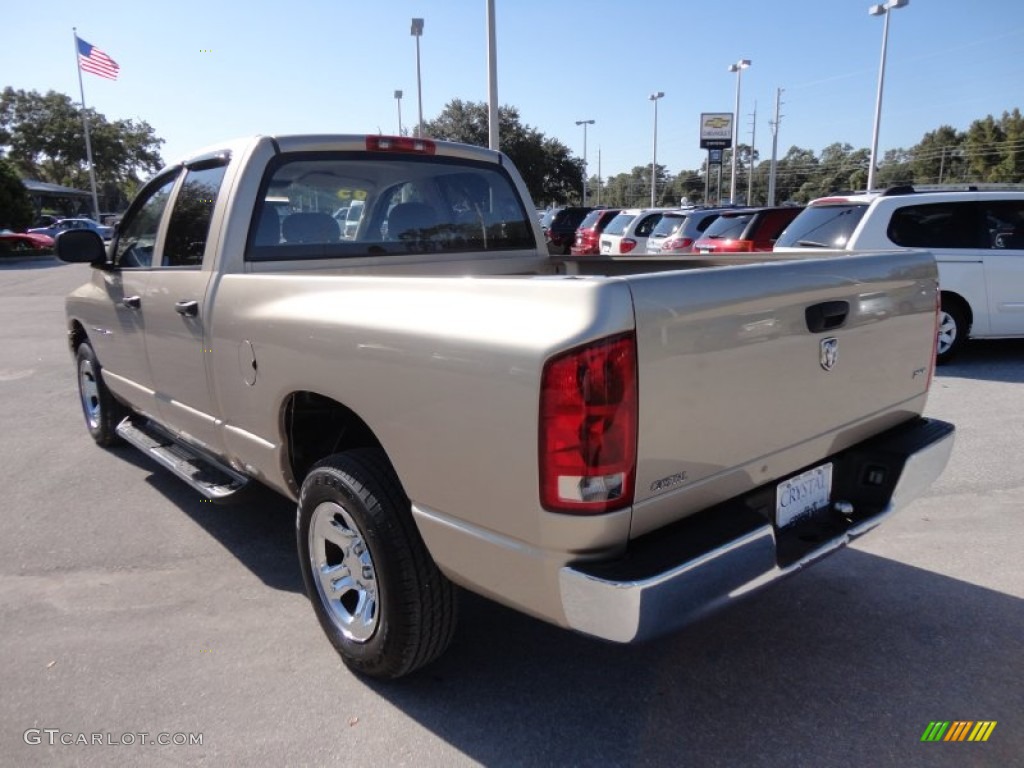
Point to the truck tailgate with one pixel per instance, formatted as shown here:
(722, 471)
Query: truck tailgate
(748, 374)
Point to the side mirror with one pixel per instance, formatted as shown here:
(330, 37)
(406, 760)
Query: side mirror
(81, 246)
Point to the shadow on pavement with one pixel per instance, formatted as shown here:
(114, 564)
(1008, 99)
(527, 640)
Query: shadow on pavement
(988, 360)
(30, 262)
(848, 662)
(259, 530)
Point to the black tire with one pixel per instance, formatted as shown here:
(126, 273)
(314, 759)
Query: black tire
(954, 329)
(400, 612)
(101, 410)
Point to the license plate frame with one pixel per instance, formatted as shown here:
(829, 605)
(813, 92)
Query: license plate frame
(803, 495)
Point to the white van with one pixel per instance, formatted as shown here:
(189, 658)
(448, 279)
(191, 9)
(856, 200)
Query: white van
(977, 238)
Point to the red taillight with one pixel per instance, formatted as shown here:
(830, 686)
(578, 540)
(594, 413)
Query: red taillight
(588, 425)
(741, 246)
(935, 349)
(678, 244)
(626, 245)
(400, 144)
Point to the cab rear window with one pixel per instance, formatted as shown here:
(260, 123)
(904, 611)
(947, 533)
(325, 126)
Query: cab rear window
(396, 206)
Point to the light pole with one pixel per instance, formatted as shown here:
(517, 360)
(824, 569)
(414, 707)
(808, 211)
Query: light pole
(584, 123)
(398, 98)
(880, 10)
(654, 159)
(738, 68)
(417, 31)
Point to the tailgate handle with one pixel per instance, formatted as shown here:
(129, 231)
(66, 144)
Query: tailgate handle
(827, 316)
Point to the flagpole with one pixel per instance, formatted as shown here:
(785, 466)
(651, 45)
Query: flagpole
(88, 143)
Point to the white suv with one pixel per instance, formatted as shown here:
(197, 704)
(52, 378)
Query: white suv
(977, 238)
(628, 232)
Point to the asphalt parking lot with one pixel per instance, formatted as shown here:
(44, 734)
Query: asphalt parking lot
(128, 606)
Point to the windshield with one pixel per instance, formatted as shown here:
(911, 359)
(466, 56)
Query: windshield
(822, 226)
(618, 225)
(668, 225)
(728, 227)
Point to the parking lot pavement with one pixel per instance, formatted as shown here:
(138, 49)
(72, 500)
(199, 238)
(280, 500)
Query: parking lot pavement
(128, 606)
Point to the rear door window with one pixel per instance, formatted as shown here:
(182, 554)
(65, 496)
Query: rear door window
(189, 226)
(937, 225)
(822, 226)
(1004, 224)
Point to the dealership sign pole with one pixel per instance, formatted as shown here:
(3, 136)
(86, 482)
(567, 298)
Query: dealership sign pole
(715, 136)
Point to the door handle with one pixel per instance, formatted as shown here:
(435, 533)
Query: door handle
(826, 316)
(132, 302)
(187, 308)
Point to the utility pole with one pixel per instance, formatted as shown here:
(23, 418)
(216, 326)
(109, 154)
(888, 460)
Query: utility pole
(775, 146)
(750, 167)
(599, 184)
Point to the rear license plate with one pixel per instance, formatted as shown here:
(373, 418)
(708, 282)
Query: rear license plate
(606, 246)
(801, 495)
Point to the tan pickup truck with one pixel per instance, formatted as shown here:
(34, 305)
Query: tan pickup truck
(616, 454)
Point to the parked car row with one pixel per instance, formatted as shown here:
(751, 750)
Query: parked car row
(63, 225)
(24, 242)
(644, 231)
(977, 238)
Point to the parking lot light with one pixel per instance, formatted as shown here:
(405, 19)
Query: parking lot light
(417, 31)
(584, 123)
(654, 159)
(738, 68)
(880, 10)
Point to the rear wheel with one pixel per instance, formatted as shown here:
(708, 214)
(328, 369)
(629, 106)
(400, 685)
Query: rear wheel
(102, 412)
(953, 330)
(377, 593)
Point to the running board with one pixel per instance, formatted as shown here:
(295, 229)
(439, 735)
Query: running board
(212, 479)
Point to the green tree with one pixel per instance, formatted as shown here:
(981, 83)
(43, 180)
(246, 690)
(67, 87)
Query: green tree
(1011, 153)
(982, 147)
(551, 173)
(937, 157)
(15, 204)
(44, 138)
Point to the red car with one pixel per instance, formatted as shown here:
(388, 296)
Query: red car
(588, 233)
(747, 230)
(20, 242)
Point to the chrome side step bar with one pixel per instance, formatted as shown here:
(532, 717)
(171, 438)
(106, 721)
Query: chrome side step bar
(212, 479)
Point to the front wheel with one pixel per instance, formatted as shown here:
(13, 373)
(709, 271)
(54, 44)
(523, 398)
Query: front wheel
(102, 412)
(953, 330)
(377, 593)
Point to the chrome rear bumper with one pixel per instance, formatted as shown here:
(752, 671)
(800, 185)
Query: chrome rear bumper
(673, 576)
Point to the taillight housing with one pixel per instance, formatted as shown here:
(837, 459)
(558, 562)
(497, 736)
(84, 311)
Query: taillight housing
(588, 428)
(677, 244)
(626, 245)
(739, 246)
(935, 349)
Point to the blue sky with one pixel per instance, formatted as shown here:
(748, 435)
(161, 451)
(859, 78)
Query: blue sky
(200, 72)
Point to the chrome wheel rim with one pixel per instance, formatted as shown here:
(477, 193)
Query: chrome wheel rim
(947, 332)
(89, 390)
(343, 570)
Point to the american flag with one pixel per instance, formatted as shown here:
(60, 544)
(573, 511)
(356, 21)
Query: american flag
(92, 59)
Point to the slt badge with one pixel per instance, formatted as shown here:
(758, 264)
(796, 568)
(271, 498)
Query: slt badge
(829, 352)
